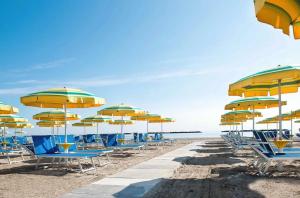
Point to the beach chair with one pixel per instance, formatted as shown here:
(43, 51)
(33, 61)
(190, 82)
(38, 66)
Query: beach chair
(264, 143)
(45, 148)
(74, 149)
(7, 152)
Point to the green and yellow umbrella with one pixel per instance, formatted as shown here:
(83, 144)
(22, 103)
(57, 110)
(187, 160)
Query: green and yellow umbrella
(230, 123)
(56, 115)
(9, 118)
(240, 116)
(281, 14)
(254, 103)
(16, 125)
(51, 124)
(162, 120)
(84, 125)
(147, 117)
(62, 98)
(277, 81)
(8, 109)
(121, 122)
(96, 119)
(121, 110)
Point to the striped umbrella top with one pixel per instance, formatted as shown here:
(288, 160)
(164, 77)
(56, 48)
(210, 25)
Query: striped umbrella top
(162, 120)
(121, 122)
(96, 118)
(56, 115)
(254, 103)
(121, 110)
(62, 97)
(147, 116)
(12, 118)
(8, 109)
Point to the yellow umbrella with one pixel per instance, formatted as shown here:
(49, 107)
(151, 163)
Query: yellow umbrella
(62, 98)
(146, 117)
(96, 119)
(83, 124)
(161, 121)
(56, 115)
(52, 124)
(121, 122)
(121, 110)
(277, 81)
(254, 103)
(281, 14)
(8, 109)
(16, 125)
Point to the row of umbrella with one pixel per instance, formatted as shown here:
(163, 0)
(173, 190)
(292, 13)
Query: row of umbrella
(62, 99)
(257, 89)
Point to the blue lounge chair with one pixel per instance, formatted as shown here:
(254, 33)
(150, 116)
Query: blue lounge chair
(45, 147)
(264, 143)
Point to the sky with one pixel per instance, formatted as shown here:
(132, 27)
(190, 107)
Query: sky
(171, 57)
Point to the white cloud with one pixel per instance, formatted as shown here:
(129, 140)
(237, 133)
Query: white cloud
(47, 65)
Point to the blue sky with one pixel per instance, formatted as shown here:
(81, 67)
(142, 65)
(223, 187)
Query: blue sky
(170, 57)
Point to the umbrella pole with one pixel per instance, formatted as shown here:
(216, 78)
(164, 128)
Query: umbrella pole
(65, 108)
(147, 126)
(280, 109)
(253, 119)
(267, 126)
(291, 127)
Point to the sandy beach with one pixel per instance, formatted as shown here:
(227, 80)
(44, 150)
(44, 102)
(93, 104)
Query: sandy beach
(216, 172)
(23, 180)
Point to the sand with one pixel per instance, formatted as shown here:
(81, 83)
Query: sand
(23, 180)
(215, 172)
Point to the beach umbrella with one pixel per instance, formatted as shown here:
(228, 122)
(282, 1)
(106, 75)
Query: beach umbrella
(8, 109)
(146, 117)
(16, 125)
(83, 124)
(121, 122)
(52, 124)
(56, 115)
(121, 110)
(276, 81)
(96, 119)
(161, 121)
(254, 103)
(281, 14)
(63, 98)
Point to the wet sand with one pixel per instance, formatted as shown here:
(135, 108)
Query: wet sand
(23, 180)
(216, 172)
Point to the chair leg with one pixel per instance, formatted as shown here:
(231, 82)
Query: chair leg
(107, 157)
(8, 159)
(37, 163)
(79, 164)
(93, 164)
(99, 162)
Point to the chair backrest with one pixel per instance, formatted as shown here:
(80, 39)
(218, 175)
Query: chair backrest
(109, 139)
(78, 138)
(44, 144)
(140, 137)
(157, 136)
(266, 144)
(70, 139)
(21, 139)
(89, 138)
(256, 135)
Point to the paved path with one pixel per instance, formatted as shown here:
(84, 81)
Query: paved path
(137, 180)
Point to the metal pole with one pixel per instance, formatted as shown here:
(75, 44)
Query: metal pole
(280, 109)
(65, 108)
(253, 119)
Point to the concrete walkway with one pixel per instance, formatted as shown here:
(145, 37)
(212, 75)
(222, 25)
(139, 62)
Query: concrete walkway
(136, 180)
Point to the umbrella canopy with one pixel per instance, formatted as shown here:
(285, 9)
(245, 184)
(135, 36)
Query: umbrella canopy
(161, 121)
(8, 109)
(297, 121)
(253, 103)
(230, 123)
(241, 114)
(147, 117)
(56, 115)
(266, 82)
(121, 122)
(45, 123)
(19, 125)
(267, 121)
(121, 110)
(281, 14)
(62, 98)
(96, 119)
(83, 124)
(12, 118)
(276, 81)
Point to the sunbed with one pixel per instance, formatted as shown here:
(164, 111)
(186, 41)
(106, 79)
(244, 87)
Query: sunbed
(45, 147)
